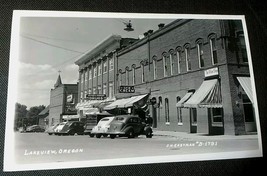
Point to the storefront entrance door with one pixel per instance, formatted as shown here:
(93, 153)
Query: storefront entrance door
(193, 120)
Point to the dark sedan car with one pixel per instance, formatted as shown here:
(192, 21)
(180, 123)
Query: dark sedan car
(129, 126)
(35, 128)
(72, 128)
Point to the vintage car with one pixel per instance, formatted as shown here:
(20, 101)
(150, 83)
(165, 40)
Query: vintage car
(128, 126)
(102, 127)
(35, 128)
(51, 130)
(71, 128)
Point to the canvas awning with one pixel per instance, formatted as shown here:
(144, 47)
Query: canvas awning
(246, 85)
(91, 111)
(208, 95)
(125, 102)
(184, 99)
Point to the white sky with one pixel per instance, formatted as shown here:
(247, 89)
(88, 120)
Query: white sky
(49, 44)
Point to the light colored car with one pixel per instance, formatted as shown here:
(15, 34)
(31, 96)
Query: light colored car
(51, 130)
(59, 127)
(102, 127)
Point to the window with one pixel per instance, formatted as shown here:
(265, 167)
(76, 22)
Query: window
(99, 69)
(187, 57)
(85, 79)
(213, 50)
(120, 77)
(193, 115)
(82, 81)
(216, 115)
(200, 54)
(104, 88)
(111, 90)
(94, 90)
(85, 93)
(165, 67)
(111, 64)
(81, 96)
(178, 55)
(167, 116)
(179, 112)
(242, 47)
(155, 67)
(89, 91)
(95, 71)
(127, 75)
(105, 67)
(133, 67)
(143, 72)
(99, 89)
(90, 74)
(160, 107)
(171, 61)
(248, 108)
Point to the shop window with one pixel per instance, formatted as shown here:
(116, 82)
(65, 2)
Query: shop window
(179, 112)
(216, 115)
(248, 108)
(167, 111)
(213, 49)
(200, 53)
(187, 57)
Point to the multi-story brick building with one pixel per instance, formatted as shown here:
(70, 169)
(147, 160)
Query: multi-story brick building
(196, 73)
(63, 99)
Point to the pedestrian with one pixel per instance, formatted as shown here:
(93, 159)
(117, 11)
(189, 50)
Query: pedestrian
(149, 120)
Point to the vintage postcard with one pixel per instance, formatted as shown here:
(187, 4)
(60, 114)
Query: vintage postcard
(100, 89)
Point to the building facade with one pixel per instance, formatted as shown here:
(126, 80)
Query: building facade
(197, 73)
(63, 99)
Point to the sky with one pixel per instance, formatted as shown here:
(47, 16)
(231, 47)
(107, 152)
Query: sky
(50, 44)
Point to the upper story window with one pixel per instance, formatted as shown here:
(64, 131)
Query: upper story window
(120, 77)
(99, 69)
(171, 61)
(95, 71)
(104, 88)
(133, 68)
(105, 67)
(143, 72)
(242, 46)
(165, 64)
(178, 55)
(90, 74)
(127, 75)
(111, 90)
(155, 67)
(187, 57)
(213, 49)
(199, 43)
(99, 89)
(111, 64)
(89, 91)
(82, 76)
(86, 75)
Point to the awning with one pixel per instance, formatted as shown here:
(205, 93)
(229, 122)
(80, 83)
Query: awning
(184, 99)
(91, 111)
(70, 117)
(246, 84)
(125, 102)
(208, 95)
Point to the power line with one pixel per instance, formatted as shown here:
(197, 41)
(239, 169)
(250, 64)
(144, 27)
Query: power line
(49, 44)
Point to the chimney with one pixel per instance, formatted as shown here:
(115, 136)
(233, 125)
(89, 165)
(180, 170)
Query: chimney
(161, 25)
(150, 31)
(146, 34)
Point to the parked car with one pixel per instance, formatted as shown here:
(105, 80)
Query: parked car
(35, 128)
(71, 128)
(59, 128)
(102, 127)
(128, 126)
(51, 130)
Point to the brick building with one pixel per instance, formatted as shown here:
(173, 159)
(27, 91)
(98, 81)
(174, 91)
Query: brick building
(196, 73)
(63, 99)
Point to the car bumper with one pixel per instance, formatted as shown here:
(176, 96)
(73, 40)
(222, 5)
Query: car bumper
(116, 133)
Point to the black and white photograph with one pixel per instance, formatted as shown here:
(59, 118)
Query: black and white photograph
(91, 89)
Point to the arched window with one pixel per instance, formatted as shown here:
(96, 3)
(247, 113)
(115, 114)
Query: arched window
(127, 75)
(178, 56)
(143, 71)
(167, 111)
(199, 43)
(179, 112)
(133, 68)
(120, 77)
(165, 64)
(154, 58)
(213, 49)
(187, 56)
(171, 52)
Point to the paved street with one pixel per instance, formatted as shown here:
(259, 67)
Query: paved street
(42, 148)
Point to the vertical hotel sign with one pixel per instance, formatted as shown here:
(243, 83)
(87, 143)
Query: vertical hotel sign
(211, 72)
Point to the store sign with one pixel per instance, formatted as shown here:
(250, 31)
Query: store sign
(70, 98)
(211, 72)
(126, 89)
(96, 96)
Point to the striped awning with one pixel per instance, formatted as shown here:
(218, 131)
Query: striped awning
(184, 99)
(246, 85)
(207, 95)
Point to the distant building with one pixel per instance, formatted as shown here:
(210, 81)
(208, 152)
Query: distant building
(197, 75)
(43, 117)
(63, 99)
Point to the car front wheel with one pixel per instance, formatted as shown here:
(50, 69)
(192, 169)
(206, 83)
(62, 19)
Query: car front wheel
(112, 136)
(91, 135)
(98, 135)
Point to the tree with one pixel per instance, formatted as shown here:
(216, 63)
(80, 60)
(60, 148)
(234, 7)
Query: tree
(20, 114)
(32, 114)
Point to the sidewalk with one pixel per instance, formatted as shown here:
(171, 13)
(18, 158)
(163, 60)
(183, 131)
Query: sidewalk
(201, 136)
